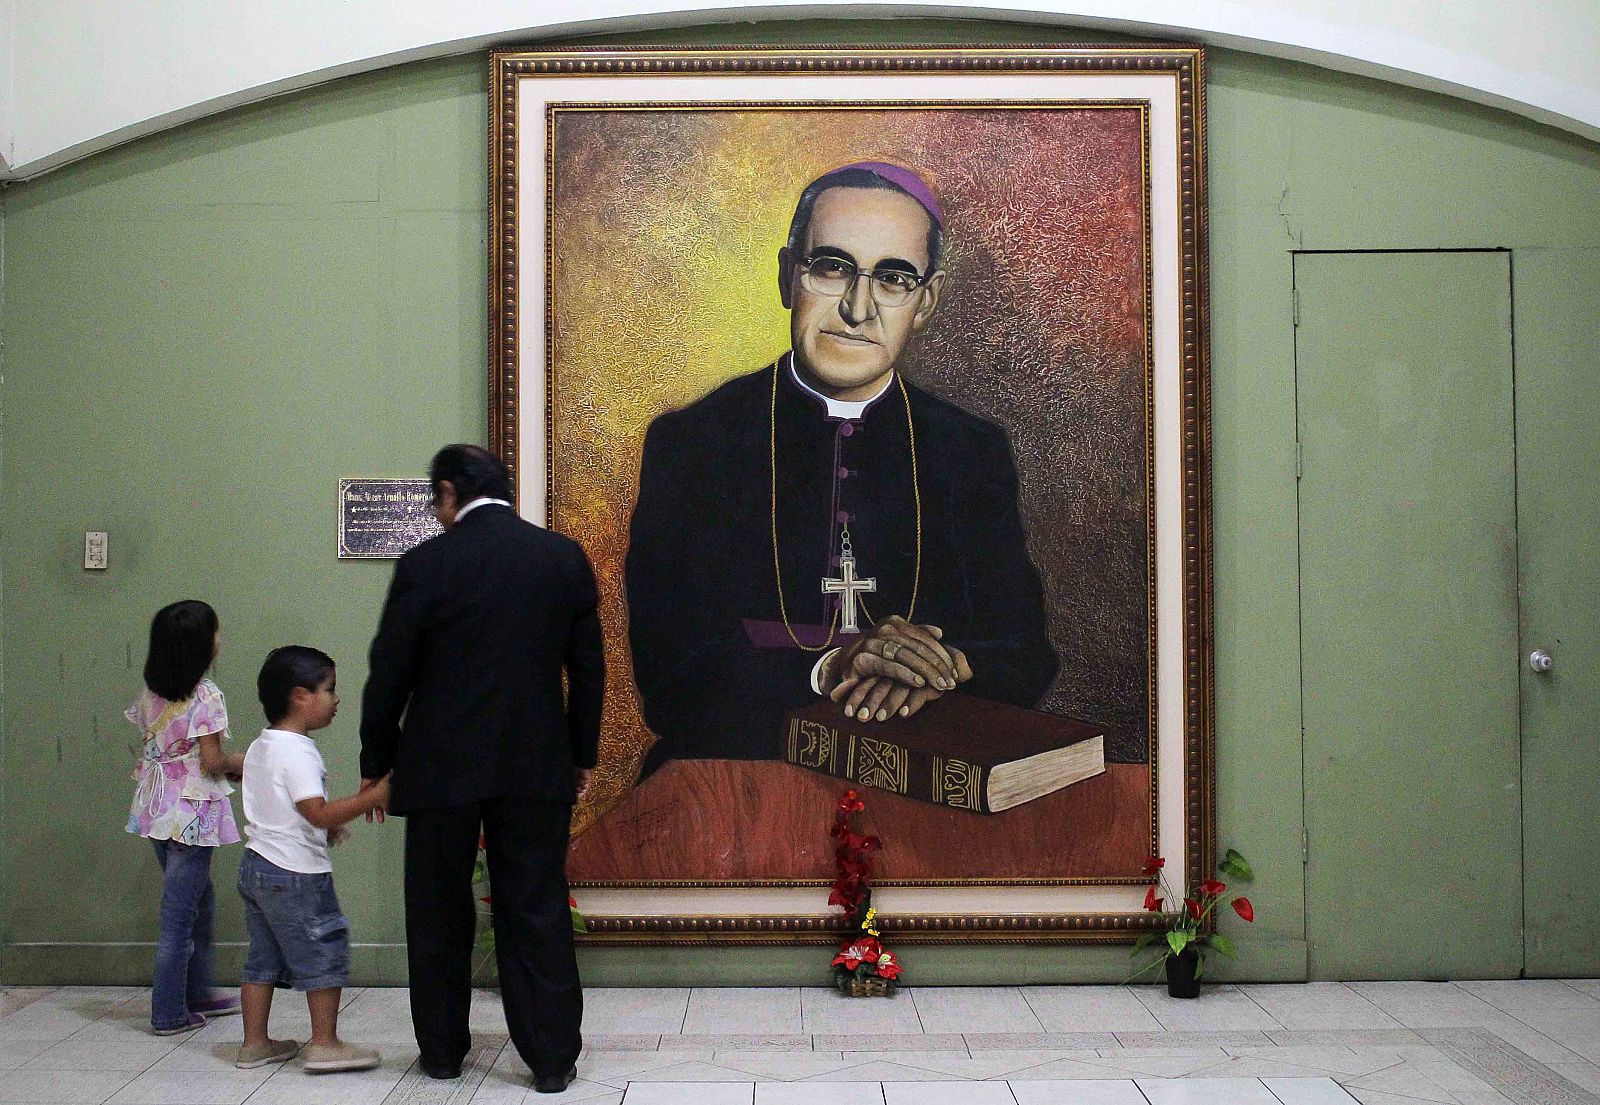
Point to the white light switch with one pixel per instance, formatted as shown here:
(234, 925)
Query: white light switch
(96, 550)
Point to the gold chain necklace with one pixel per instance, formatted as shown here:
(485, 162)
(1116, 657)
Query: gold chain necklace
(916, 498)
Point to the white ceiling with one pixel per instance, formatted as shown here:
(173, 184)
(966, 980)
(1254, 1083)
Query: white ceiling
(79, 76)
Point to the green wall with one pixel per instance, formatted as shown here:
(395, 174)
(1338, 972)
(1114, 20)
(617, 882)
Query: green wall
(203, 330)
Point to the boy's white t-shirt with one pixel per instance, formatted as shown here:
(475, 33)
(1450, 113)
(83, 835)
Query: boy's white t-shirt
(280, 769)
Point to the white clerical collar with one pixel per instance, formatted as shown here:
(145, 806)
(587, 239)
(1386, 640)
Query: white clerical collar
(839, 408)
(482, 500)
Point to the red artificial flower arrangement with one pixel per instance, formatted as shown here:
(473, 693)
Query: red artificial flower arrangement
(862, 955)
(1181, 928)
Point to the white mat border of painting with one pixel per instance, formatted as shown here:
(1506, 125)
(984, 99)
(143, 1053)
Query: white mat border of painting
(1160, 92)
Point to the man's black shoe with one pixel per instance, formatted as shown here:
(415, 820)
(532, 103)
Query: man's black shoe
(440, 1070)
(555, 1083)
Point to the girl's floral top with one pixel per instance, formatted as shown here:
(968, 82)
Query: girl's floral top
(174, 799)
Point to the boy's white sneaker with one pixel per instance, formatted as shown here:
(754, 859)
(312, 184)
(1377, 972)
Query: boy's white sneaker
(273, 1051)
(320, 1059)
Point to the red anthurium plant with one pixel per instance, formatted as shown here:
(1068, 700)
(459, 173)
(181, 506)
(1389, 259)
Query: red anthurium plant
(861, 954)
(1182, 923)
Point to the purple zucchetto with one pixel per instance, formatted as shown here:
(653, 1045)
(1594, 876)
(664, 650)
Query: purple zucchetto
(902, 178)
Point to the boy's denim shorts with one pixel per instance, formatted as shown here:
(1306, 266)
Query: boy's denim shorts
(298, 936)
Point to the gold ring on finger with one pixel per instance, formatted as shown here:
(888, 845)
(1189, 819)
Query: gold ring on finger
(890, 649)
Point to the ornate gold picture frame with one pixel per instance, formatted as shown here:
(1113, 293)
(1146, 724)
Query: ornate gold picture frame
(1053, 393)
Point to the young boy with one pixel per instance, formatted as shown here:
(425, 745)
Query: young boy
(298, 936)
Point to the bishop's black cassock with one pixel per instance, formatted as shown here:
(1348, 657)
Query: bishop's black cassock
(715, 667)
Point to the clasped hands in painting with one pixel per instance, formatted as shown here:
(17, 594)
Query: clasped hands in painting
(893, 671)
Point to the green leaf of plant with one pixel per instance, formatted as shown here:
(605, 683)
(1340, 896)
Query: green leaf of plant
(1177, 940)
(1236, 865)
(1148, 967)
(1223, 945)
(1199, 968)
(1144, 941)
(580, 923)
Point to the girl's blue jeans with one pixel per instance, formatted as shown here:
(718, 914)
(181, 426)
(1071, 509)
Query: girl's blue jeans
(183, 950)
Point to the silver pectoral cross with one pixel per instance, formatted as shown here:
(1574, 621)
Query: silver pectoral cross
(850, 587)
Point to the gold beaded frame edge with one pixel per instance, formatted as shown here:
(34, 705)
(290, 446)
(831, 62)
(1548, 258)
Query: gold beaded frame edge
(1187, 64)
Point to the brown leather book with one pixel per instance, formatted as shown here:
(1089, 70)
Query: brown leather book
(958, 751)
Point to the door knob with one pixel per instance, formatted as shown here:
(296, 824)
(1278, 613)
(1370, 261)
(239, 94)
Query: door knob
(1540, 660)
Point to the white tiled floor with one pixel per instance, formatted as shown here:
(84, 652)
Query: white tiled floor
(1381, 1043)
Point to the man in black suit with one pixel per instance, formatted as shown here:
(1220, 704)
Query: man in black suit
(479, 624)
(822, 526)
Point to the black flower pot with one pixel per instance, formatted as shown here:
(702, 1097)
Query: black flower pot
(1181, 969)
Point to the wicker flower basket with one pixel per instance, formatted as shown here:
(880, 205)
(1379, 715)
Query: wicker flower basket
(869, 987)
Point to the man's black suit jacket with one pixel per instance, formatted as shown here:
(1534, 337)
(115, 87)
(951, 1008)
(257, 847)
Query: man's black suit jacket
(464, 698)
(700, 557)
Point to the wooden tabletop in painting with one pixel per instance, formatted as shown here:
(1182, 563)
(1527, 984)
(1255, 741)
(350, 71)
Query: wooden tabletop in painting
(720, 820)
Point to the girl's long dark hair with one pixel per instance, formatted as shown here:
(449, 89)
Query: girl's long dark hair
(182, 641)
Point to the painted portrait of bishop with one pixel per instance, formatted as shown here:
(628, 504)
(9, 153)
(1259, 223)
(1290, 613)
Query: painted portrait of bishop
(821, 527)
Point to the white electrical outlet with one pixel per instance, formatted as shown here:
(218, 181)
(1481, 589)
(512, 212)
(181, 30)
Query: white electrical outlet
(96, 550)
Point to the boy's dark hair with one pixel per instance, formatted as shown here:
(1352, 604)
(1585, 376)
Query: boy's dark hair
(473, 471)
(183, 640)
(285, 669)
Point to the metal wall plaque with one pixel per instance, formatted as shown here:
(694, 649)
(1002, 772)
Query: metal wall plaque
(381, 518)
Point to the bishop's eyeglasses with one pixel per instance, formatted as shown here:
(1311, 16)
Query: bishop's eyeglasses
(835, 277)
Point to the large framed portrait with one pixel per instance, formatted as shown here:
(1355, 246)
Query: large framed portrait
(874, 383)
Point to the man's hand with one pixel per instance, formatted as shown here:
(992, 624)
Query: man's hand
(380, 811)
(879, 699)
(581, 778)
(896, 670)
(903, 651)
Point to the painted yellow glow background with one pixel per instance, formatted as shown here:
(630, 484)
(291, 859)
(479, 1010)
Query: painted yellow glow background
(663, 237)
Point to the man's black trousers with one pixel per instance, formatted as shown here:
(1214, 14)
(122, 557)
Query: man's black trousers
(526, 842)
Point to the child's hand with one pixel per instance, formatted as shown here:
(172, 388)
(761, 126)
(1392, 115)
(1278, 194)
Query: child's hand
(337, 836)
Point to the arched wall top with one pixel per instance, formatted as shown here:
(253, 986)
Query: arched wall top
(80, 76)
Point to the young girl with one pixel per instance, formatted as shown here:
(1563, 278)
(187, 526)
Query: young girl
(181, 805)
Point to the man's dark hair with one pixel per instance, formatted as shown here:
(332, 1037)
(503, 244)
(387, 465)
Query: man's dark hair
(285, 669)
(183, 640)
(473, 471)
(854, 178)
